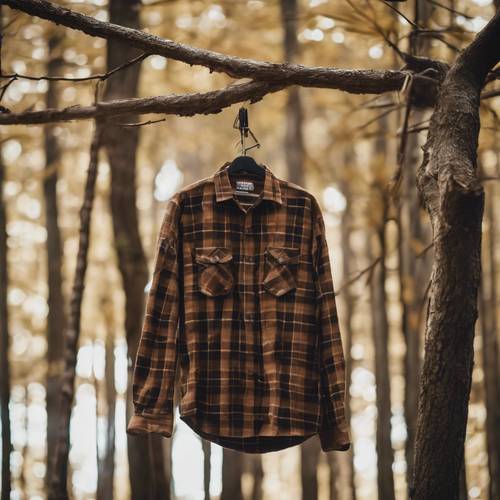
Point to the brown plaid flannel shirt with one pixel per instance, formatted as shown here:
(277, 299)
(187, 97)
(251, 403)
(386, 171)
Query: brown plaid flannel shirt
(242, 302)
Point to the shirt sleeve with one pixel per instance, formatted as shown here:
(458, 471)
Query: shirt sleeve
(155, 362)
(333, 433)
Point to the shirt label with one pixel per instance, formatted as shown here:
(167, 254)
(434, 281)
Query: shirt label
(244, 186)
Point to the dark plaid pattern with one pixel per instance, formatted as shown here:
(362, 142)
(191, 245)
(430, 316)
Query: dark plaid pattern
(242, 304)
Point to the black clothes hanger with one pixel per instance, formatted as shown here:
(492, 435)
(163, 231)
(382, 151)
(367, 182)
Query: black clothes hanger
(244, 162)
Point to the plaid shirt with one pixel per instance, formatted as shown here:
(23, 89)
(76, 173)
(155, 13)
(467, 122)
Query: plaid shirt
(242, 304)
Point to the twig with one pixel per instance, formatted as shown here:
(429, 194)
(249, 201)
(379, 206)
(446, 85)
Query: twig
(358, 276)
(378, 117)
(407, 19)
(149, 122)
(450, 9)
(102, 76)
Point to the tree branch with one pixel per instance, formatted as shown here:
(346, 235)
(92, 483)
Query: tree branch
(100, 76)
(182, 105)
(349, 80)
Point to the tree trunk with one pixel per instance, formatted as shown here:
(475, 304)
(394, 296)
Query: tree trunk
(106, 465)
(232, 469)
(58, 482)
(347, 260)
(414, 237)
(489, 331)
(294, 142)
(454, 197)
(4, 345)
(294, 155)
(380, 325)
(378, 302)
(207, 448)
(309, 460)
(4, 326)
(146, 460)
(56, 319)
(257, 472)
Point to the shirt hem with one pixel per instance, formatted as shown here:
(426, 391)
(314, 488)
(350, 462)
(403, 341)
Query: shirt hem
(248, 444)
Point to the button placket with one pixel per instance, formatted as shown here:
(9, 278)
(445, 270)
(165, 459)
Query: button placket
(248, 313)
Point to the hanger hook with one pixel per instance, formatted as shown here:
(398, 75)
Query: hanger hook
(241, 122)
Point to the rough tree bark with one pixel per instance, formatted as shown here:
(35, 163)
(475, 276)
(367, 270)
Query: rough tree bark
(181, 105)
(454, 197)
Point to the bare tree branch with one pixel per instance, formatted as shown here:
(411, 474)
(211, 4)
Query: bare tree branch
(349, 80)
(182, 105)
(101, 76)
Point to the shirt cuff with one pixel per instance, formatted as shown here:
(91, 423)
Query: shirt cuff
(335, 438)
(144, 424)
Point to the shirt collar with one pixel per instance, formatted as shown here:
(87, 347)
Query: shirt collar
(224, 189)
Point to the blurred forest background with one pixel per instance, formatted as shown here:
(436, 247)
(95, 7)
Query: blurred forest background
(343, 147)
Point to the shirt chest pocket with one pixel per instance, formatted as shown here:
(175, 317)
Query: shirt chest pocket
(214, 270)
(280, 269)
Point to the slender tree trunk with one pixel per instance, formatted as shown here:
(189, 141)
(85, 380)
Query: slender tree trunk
(257, 472)
(56, 320)
(385, 455)
(4, 326)
(207, 448)
(380, 327)
(58, 482)
(335, 490)
(489, 327)
(294, 142)
(146, 460)
(24, 449)
(454, 197)
(489, 331)
(4, 345)
(106, 465)
(294, 154)
(413, 238)
(309, 460)
(232, 469)
(347, 257)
